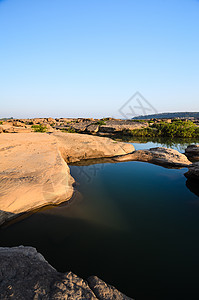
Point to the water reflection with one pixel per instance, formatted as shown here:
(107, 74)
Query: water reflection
(136, 226)
(178, 144)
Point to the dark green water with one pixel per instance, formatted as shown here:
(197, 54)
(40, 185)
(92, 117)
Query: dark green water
(136, 226)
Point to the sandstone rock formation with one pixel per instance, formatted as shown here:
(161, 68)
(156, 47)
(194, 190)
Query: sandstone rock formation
(7, 128)
(32, 174)
(192, 152)
(160, 156)
(25, 274)
(121, 125)
(34, 170)
(75, 147)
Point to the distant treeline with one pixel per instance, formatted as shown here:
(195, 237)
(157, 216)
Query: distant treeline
(169, 116)
(178, 128)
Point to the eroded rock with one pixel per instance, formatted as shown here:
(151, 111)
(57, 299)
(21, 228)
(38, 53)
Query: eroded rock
(160, 156)
(105, 291)
(32, 174)
(25, 274)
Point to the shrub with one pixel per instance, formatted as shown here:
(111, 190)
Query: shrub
(68, 130)
(101, 122)
(39, 128)
(178, 128)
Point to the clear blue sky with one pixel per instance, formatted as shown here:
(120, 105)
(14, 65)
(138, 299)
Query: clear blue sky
(73, 58)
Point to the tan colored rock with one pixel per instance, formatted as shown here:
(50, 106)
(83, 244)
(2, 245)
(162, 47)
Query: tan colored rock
(76, 147)
(160, 156)
(32, 174)
(18, 124)
(93, 128)
(51, 120)
(13, 129)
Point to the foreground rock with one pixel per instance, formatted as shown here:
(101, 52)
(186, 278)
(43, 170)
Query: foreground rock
(34, 170)
(32, 174)
(192, 152)
(193, 172)
(25, 274)
(160, 156)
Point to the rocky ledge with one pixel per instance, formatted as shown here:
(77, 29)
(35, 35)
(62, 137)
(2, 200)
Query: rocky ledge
(160, 156)
(34, 170)
(25, 274)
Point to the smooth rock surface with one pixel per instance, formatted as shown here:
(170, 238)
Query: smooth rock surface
(160, 156)
(32, 174)
(76, 147)
(25, 274)
(34, 170)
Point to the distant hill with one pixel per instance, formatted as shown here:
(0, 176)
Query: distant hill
(5, 119)
(169, 116)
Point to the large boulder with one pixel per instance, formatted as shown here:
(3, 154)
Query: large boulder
(161, 156)
(193, 172)
(80, 126)
(25, 274)
(93, 128)
(32, 174)
(192, 152)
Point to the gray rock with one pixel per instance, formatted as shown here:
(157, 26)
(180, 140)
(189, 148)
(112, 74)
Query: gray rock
(105, 291)
(192, 152)
(193, 172)
(25, 274)
(92, 128)
(114, 126)
(80, 126)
